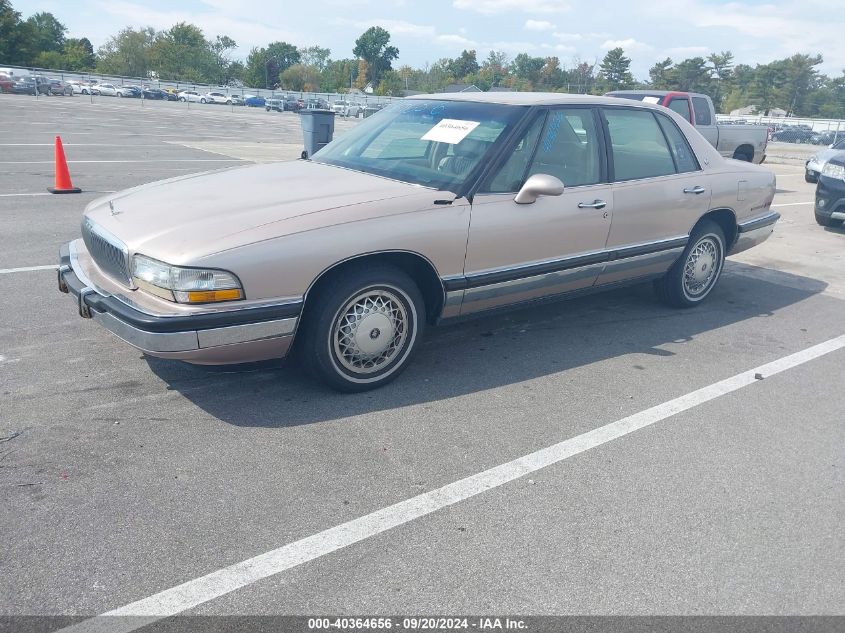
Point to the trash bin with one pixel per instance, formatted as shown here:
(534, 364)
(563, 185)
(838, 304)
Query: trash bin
(317, 129)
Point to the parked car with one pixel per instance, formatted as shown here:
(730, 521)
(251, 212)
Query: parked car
(236, 100)
(815, 165)
(830, 193)
(346, 108)
(59, 87)
(274, 103)
(292, 103)
(105, 90)
(215, 97)
(437, 207)
(737, 141)
(155, 94)
(172, 94)
(80, 87)
(254, 101)
(30, 85)
(371, 108)
(132, 92)
(316, 103)
(826, 138)
(6, 83)
(190, 95)
(793, 134)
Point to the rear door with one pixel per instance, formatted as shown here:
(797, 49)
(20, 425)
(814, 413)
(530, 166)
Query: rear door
(659, 192)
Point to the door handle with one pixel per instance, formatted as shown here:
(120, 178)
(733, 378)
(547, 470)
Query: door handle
(595, 204)
(696, 190)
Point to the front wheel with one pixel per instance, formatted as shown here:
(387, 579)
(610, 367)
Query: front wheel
(363, 327)
(202, 101)
(696, 272)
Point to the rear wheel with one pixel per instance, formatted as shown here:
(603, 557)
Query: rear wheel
(361, 331)
(696, 272)
(202, 101)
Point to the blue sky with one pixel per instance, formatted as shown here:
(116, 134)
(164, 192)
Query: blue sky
(755, 30)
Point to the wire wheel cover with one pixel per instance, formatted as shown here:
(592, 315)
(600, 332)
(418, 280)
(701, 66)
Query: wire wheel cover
(369, 331)
(702, 266)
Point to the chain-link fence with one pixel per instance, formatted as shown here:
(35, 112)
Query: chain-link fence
(41, 81)
(793, 129)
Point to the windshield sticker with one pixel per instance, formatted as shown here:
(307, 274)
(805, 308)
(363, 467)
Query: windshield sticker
(651, 99)
(450, 131)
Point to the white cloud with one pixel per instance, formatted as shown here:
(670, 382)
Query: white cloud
(493, 7)
(628, 45)
(538, 25)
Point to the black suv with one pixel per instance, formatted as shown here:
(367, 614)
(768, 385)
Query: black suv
(830, 193)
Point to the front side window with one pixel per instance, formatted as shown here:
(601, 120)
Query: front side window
(510, 177)
(638, 146)
(434, 143)
(702, 111)
(569, 148)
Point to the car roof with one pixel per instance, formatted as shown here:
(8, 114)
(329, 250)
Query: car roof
(531, 98)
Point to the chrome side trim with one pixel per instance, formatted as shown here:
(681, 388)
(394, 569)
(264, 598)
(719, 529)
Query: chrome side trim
(528, 288)
(245, 333)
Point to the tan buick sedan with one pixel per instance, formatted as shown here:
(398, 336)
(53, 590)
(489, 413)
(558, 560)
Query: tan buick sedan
(437, 207)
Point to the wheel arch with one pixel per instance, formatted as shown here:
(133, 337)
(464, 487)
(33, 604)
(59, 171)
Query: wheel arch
(416, 266)
(744, 150)
(726, 219)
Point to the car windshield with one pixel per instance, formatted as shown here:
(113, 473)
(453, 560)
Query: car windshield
(431, 143)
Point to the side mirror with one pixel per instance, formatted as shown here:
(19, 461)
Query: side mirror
(536, 186)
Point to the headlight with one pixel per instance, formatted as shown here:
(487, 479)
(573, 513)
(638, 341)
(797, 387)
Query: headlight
(834, 171)
(185, 285)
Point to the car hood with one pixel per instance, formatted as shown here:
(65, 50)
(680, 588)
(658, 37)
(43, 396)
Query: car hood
(186, 218)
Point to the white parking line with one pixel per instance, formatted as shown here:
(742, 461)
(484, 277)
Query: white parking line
(793, 204)
(218, 583)
(6, 271)
(15, 195)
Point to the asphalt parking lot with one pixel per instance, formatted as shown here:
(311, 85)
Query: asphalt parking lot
(123, 476)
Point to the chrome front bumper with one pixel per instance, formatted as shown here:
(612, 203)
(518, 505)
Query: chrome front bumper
(212, 337)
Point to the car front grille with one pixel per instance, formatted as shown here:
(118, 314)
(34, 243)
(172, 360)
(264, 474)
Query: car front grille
(108, 252)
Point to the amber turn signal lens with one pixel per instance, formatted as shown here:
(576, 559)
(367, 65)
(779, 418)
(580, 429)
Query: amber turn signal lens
(210, 296)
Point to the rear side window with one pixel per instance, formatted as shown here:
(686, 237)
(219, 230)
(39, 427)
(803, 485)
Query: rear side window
(638, 145)
(681, 106)
(702, 111)
(684, 158)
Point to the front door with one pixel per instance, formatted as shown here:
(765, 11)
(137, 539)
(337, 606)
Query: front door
(519, 252)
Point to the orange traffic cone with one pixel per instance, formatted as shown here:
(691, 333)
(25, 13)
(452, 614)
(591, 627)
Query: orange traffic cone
(63, 183)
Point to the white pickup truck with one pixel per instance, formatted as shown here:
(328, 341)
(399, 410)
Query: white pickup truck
(742, 142)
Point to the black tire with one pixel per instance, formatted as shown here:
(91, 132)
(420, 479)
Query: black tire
(267, 108)
(182, 99)
(327, 348)
(675, 288)
(824, 220)
(202, 101)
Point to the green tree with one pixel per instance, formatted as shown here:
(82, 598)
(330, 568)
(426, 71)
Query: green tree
(339, 75)
(527, 69)
(78, 54)
(47, 32)
(660, 75)
(222, 46)
(16, 37)
(494, 68)
(127, 53)
(300, 77)
(391, 84)
(264, 65)
(800, 79)
(183, 54)
(464, 65)
(374, 47)
(615, 70)
(315, 56)
(692, 75)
